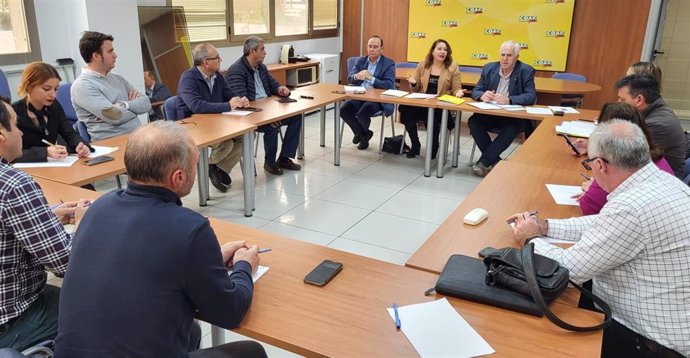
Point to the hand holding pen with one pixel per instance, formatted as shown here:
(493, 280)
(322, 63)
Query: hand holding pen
(527, 226)
(55, 151)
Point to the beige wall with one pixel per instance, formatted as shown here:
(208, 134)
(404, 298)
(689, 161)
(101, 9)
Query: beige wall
(675, 62)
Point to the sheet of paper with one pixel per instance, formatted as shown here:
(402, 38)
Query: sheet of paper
(512, 107)
(238, 113)
(355, 89)
(260, 271)
(538, 110)
(101, 150)
(51, 163)
(562, 193)
(484, 105)
(394, 93)
(435, 329)
(563, 109)
(420, 96)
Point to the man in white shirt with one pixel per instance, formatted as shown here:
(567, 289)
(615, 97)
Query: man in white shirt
(636, 250)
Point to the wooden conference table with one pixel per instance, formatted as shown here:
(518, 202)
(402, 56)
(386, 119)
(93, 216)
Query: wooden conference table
(549, 90)
(348, 316)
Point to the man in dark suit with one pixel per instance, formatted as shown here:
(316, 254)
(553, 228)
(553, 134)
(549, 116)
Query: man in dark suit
(156, 92)
(507, 81)
(371, 71)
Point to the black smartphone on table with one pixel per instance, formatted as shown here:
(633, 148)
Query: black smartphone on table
(252, 109)
(98, 160)
(323, 273)
(572, 144)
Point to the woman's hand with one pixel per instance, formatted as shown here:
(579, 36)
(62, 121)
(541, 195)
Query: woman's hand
(56, 151)
(82, 150)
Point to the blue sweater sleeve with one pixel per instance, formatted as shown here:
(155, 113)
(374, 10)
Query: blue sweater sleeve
(221, 299)
(188, 91)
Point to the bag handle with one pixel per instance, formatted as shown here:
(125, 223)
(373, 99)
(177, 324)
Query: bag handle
(527, 255)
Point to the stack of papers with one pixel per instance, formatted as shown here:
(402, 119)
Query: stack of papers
(580, 129)
(538, 110)
(355, 89)
(451, 99)
(564, 109)
(484, 105)
(435, 329)
(238, 112)
(420, 96)
(395, 93)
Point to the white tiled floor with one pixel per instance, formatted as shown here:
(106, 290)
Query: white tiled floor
(375, 205)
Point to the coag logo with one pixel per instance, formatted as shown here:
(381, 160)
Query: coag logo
(555, 33)
(527, 18)
(449, 23)
(474, 10)
(523, 45)
(418, 35)
(543, 63)
(492, 32)
(433, 2)
(480, 56)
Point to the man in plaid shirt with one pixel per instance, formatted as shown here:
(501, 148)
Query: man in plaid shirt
(32, 240)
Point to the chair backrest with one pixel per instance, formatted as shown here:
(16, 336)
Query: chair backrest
(406, 65)
(83, 132)
(569, 76)
(470, 69)
(65, 99)
(170, 109)
(4, 86)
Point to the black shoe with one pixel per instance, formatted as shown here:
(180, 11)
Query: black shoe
(364, 144)
(224, 177)
(356, 139)
(288, 164)
(216, 176)
(414, 151)
(273, 169)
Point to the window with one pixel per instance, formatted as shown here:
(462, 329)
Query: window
(274, 20)
(18, 33)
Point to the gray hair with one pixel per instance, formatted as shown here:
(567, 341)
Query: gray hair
(157, 149)
(200, 53)
(514, 45)
(621, 143)
(251, 43)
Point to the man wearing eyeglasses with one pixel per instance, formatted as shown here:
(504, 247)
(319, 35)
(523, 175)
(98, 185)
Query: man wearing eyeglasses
(372, 71)
(636, 250)
(202, 89)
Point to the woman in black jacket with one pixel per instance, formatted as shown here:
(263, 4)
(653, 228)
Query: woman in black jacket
(41, 118)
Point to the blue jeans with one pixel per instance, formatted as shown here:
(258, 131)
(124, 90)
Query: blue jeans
(290, 140)
(37, 324)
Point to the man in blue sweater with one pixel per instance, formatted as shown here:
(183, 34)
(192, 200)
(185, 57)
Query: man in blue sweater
(135, 282)
(249, 77)
(203, 90)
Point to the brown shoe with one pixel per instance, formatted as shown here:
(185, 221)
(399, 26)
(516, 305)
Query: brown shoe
(288, 164)
(273, 169)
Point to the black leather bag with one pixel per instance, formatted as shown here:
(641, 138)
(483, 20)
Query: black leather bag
(392, 144)
(537, 277)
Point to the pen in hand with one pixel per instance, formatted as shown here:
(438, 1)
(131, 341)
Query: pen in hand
(261, 251)
(531, 213)
(397, 316)
(585, 176)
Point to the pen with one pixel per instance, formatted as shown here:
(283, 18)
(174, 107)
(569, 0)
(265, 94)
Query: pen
(531, 213)
(261, 251)
(397, 317)
(47, 142)
(584, 176)
(306, 97)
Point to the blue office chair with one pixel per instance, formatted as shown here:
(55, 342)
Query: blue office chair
(170, 110)
(4, 86)
(65, 98)
(80, 127)
(470, 69)
(571, 100)
(350, 64)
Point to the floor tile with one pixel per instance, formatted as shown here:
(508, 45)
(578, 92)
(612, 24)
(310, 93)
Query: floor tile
(360, 195)
(447, 188)
(235, 217)
(302, 183)
(324, 166)
(372, 251)
(298, 233)
(391, 232)
(269, 203)
(427, 208)
(386, 177)
(323, 216)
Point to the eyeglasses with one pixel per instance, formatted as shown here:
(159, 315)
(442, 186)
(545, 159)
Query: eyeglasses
(213, 58)
(585, 163)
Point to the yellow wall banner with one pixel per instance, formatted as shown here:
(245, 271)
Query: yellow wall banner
(476, 28)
